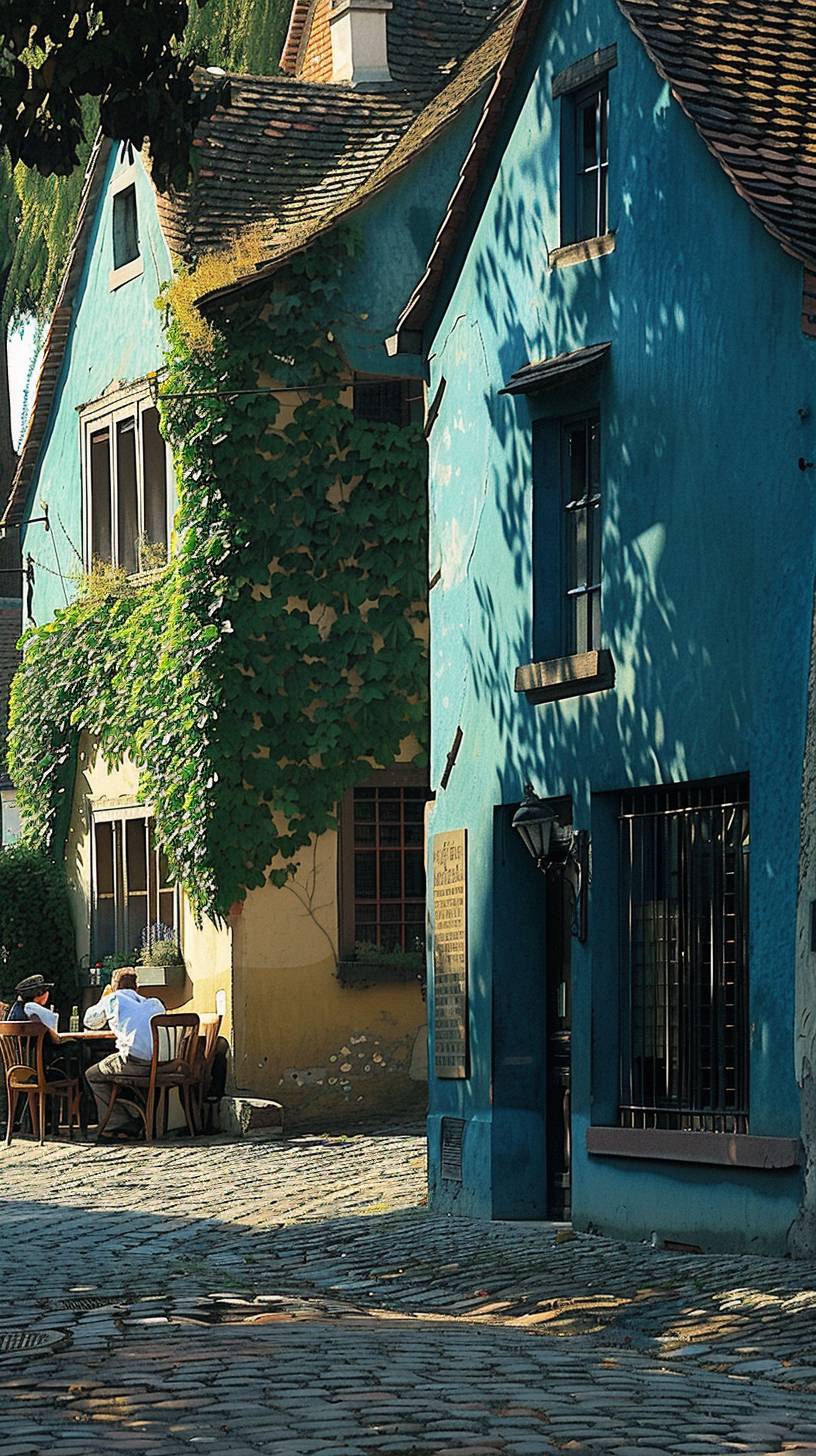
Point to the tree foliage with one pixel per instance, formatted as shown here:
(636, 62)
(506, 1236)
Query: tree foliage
(36, 925)
(281, 652)
(129, 57)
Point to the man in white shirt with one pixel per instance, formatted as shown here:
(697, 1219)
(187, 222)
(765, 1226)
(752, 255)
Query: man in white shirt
(32, 1002)
(129, 1015)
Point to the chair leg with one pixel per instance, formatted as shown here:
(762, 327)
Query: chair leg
(12, 1107)
(114, 1093)
(41, 1100)
(188, 1112)
(150, 1116)
(165, 1110)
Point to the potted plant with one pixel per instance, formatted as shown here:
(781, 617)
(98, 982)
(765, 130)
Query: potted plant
(160, 961)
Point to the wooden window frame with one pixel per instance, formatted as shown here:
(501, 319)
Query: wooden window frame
(406, 777)
(107, 415)
(119, 817)
(134, 268)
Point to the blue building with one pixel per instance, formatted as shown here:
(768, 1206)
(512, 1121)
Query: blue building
(618, 316)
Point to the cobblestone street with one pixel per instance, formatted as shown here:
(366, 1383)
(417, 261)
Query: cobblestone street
(296, 1297)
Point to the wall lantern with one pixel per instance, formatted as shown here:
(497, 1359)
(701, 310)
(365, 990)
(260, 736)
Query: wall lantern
(557, 849)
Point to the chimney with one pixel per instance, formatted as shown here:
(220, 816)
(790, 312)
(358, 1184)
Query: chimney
(359, 40)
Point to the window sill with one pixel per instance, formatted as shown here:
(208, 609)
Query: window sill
(581, 252)
(125, 274)
(566, 677)
(362, 973)
(729, 1150)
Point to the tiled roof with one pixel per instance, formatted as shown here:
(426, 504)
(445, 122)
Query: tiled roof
(287, 152)
(283, 152)
(56, 340)
(744, 71)
(473, 75)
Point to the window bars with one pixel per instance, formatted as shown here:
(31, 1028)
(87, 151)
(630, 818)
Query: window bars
(684, 956)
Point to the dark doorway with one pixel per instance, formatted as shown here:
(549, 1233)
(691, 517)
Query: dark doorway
(559, 1045)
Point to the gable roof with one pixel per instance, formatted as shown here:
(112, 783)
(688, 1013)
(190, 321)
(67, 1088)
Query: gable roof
(56, 339)
(475, 72)
(744, 72)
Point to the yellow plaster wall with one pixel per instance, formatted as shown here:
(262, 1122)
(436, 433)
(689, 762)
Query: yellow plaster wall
(207, 949)
(301, 1037)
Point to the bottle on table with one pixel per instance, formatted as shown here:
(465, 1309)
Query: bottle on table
(73, 1024)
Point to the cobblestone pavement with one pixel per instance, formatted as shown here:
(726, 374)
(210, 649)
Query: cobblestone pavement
(296, 1298)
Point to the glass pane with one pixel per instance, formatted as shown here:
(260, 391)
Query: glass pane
(125, 227)
(104, 930)
(390, 809)
(167, 908)
(594, 457)
(595, 538)
(414, 874)
(136, 852)
(365, 876)
(602, 181)
(414, 833)
(390, 875)
(126, 494)
(365, 834)
(580, 529)
(103, 846)
(595, 640)
(577, 445)
(581, 624)
(587, 206)
(604, 125)
(587, 133)
(100, 533)
(390, 834)
(154, 465)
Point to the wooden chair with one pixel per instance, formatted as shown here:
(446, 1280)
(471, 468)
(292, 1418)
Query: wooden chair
(172, 1064)
(22, 1045)
(210, 1027)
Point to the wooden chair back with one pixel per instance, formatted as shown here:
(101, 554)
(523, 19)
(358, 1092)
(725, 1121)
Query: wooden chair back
(175, 1041)
(21, 1048)
(209, 1032)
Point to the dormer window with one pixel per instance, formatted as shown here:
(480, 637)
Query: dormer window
(124, 225)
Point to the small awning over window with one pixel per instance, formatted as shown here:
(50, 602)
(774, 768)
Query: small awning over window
(560, 369)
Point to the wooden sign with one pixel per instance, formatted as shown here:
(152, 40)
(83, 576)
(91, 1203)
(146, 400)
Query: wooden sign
(450, 953)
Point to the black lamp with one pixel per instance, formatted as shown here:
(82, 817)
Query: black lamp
(534, 820)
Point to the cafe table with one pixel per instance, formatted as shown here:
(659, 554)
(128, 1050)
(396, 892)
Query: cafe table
(87, 1047)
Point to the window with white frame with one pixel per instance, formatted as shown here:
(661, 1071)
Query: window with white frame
(131, 883)
(126, 468)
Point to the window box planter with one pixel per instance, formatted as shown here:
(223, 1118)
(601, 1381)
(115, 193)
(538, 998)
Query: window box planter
(372, 970)
(161, 975)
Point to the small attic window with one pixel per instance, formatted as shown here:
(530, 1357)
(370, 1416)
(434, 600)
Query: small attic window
(125, 227)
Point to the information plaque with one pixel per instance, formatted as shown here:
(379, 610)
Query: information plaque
(450, 953)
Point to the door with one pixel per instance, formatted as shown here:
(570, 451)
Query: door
(559, 1046)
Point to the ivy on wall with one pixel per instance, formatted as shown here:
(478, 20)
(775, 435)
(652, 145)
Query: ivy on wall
(281, 651)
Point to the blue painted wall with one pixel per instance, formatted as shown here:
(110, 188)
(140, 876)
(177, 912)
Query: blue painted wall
(116, 338)
(708, 571)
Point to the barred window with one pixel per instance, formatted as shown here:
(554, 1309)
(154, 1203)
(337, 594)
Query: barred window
(684, 956)
(383, 881)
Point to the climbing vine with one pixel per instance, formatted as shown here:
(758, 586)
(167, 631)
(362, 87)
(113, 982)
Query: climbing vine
(281, 652)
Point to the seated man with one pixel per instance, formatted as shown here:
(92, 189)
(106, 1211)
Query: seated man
(129, 1015)
(32, 1002)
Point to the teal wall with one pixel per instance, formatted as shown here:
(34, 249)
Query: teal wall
(116, 337)
(708, 562)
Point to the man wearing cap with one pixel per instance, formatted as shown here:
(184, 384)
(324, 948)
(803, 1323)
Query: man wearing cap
(32, 1002)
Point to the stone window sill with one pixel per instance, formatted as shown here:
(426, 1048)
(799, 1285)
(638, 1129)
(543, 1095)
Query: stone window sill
(729, 1150)
(566, 677)
(126, 273)
(581, 252)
